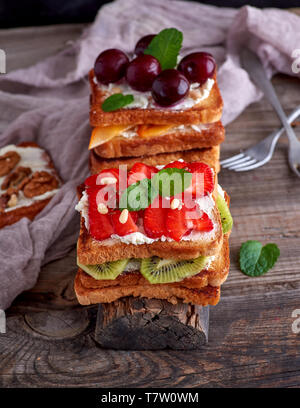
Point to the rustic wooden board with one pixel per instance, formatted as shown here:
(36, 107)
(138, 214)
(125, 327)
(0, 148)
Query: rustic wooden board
(251, 342)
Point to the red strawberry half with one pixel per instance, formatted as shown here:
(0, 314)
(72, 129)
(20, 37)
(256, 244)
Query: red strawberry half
(202, 180)
(154, 219)
(177, 224)
(198, 220)
(100, 226)
(176, 164)
(139, 172)
(124, 229)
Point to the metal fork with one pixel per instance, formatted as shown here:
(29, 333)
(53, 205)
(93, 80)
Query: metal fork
(259, 154)
(257, 73)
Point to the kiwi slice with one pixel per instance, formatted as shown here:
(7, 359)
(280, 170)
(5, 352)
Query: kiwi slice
(157, 270)
(226, 218)
(108, 270)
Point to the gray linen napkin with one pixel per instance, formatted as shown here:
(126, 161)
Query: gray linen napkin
(48, 103)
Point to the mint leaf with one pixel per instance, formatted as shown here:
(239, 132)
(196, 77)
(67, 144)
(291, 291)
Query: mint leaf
(165, 47)
(256, 260)
(138, 196)
(116, 101)
(171, 181)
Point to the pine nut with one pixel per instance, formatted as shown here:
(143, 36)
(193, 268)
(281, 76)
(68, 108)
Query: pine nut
(12, 201)
(175, 204)
(108, 180)
(124, 216)
(102, 208)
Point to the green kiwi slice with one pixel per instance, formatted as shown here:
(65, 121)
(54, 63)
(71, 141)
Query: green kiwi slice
(108, 270)
(226, 218)
(157, 270)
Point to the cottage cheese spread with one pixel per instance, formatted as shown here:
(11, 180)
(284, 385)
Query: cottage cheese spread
(32, 157)
(143, 100)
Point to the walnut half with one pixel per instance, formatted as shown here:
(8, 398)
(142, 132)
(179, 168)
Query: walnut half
(16, 180)
(8, 162)
(40, 183)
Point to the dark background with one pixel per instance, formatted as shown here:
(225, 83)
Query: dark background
(20, 13)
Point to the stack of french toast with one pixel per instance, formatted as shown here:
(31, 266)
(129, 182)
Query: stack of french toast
(155, 223)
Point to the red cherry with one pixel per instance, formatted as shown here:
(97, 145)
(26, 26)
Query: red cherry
(142, 71)
(143, 43)
(169, 87)
(110, 66)
(198, 67)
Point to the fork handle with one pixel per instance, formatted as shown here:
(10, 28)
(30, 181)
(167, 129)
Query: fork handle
(270, 94)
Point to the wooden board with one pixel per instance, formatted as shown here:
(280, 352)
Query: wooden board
(251, 341)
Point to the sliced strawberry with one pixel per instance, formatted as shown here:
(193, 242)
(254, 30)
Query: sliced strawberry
(135, 215)
(124, 229)
(176, 164)
(95, 179)
(198, 220)
(155, 218)
(139, 172)
(91, 181)
(108, 173)
(177, 224)
(202, 180)
(100, 226)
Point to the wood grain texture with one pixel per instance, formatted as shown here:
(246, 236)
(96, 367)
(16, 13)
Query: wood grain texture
(251, 342)
(151, 324)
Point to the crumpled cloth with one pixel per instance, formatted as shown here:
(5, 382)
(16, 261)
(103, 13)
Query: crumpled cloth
(48, 103)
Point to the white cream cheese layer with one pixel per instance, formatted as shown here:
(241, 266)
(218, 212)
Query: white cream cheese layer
(144, 100)
(30, 157)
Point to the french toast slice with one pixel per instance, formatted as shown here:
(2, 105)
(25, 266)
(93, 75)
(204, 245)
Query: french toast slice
(209, 156)
(214, 275)
(175, 140)
(206, 111)
(208, 295)
(202, 289)
(92, 252)
(15, 181)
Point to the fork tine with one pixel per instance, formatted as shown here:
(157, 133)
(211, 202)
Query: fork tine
(252, 166)
(236, 162)
(233, 158)
(242, 165)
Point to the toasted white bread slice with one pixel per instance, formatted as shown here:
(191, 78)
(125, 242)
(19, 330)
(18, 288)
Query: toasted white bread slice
(108, 142)
(206, 111)
(210, 156)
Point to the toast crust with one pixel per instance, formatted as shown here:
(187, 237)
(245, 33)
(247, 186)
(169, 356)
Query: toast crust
(177, 141)
(207, 296)
(207, 111)
(30, 211)
(92, 252)
(209, 156)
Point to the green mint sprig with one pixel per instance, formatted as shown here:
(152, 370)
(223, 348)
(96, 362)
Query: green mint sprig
(166, 183)
(138, 196)
(255, 259)
(116, 101)
(165, 47)
(171, 181)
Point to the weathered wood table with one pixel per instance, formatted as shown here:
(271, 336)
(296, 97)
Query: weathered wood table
(251, 339)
